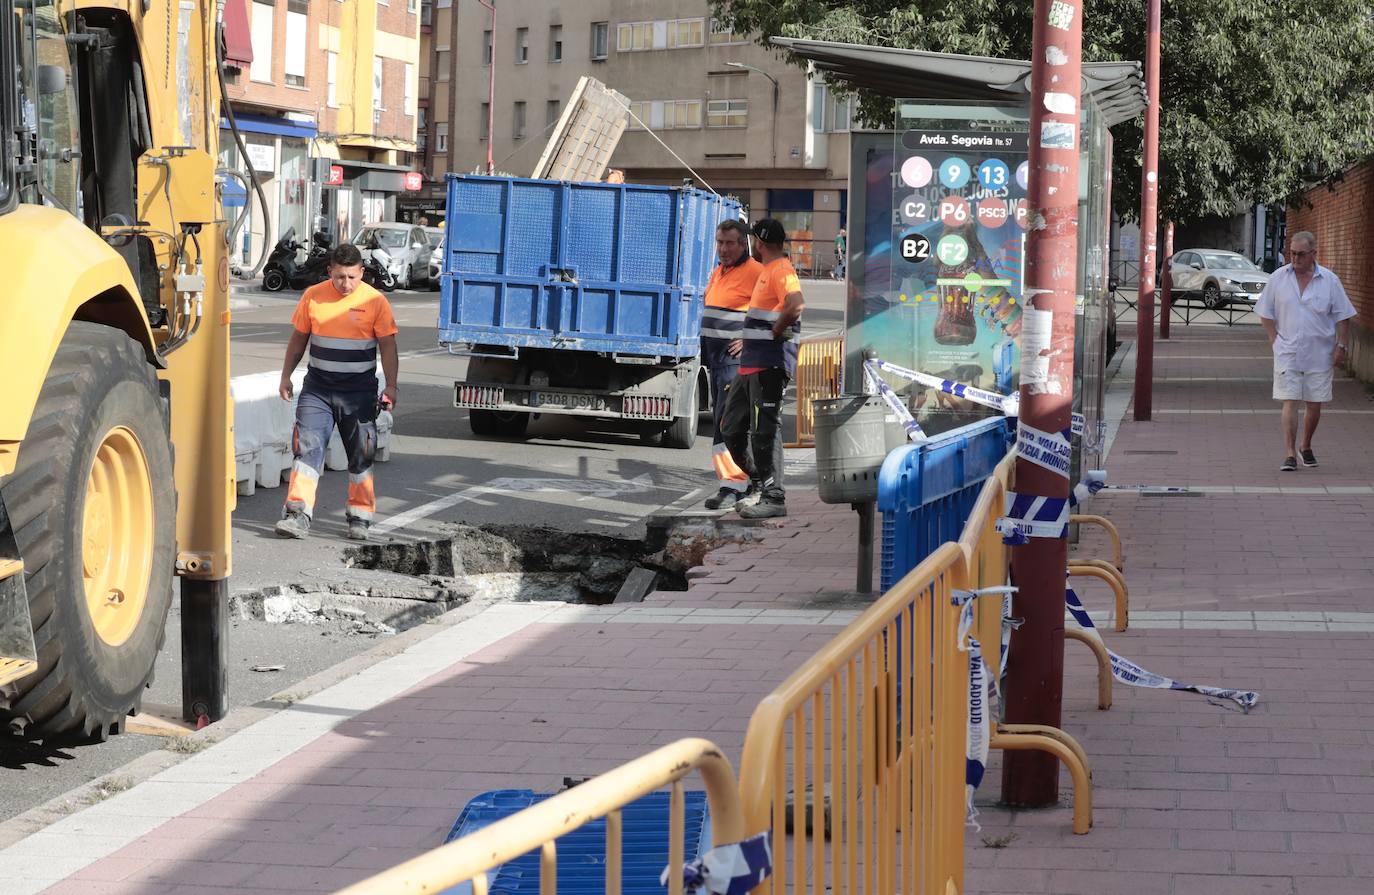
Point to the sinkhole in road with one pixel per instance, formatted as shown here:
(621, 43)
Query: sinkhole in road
(526, 563)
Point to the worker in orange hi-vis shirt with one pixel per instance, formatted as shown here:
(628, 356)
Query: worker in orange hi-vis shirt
(722, 340)
(345, 323)
(752, 418)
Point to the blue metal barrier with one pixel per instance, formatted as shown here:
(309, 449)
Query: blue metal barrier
(927, 490)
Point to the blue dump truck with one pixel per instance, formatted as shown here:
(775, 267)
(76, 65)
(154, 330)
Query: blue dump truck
(578, 298)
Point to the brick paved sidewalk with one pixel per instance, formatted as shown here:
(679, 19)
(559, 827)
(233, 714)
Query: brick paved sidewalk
(1256, 581)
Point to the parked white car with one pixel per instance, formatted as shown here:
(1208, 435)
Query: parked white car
(1221, 278)
(436, 256)
(402, 249)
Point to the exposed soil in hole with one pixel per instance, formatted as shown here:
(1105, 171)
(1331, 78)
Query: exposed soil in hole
(517, 562)
(385, 588)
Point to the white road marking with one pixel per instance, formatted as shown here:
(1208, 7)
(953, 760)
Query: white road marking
(589, 488)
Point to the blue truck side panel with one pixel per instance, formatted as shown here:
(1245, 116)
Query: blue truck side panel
(615, 268)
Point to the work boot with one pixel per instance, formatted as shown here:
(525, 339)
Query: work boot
(764, 508)
(294, 524)
(725, 499)
(750, 497)
(357, 529)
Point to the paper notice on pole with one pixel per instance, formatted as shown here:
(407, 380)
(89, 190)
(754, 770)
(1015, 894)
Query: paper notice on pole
(1057, 135)
(1036, 328)
(1049, 450)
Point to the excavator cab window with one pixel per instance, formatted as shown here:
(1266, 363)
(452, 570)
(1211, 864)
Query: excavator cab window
(48, 104)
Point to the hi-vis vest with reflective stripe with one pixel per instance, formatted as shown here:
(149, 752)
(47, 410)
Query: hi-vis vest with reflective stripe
(727, 298)
(765, 309)
(330, 354)
(344, 333)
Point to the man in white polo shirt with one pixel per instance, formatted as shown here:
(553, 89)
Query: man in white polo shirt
(1306, 314)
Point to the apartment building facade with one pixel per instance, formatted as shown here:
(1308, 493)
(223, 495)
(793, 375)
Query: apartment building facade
(325, 95)
(705, 104)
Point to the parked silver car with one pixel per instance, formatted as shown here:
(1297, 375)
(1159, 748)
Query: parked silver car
(436, 256)
(401, 248)
(1221, 278)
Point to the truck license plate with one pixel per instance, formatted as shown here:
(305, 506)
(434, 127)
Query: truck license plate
(568, 400)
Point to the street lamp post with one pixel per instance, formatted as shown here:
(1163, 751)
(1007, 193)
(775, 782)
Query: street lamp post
(773, 137)
(491, 88)
(1149, 225)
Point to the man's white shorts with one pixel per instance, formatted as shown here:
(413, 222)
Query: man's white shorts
(1292, 385)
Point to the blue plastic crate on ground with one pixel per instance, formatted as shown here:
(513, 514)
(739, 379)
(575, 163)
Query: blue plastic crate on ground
(926, 491)
(582, 853)
(615, 268)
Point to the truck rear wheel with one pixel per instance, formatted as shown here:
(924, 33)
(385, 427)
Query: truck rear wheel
(94, 508)
(499, 423)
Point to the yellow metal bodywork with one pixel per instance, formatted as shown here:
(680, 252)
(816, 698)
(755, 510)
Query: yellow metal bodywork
(64, 271)
(59, 268)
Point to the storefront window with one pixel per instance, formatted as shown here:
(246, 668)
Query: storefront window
(294, 187)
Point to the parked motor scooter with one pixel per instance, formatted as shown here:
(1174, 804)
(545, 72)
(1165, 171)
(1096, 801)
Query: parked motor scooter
(282, 268)
(376, 272)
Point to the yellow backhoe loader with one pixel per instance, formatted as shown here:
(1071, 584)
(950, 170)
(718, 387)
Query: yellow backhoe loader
(116, 464)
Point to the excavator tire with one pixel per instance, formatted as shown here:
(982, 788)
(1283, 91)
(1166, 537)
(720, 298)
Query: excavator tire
(93, 505)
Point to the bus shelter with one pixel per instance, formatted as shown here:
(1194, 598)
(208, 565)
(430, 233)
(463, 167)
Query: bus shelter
(938, 221)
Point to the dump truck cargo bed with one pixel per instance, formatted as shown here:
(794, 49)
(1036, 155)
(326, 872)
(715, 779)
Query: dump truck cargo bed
(616, 269)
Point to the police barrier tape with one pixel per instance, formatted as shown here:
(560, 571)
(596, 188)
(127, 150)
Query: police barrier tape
(1009, 405)
(983, 694)
(1029, 516)
(1128, 672)
(735, 869)
(913, 428)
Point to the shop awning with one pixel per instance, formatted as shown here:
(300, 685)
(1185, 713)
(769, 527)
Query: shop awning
(268, 124)
(1117, 87)
(238, 39)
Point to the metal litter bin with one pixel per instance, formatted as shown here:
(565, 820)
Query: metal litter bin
(853, 438)
(854, 435)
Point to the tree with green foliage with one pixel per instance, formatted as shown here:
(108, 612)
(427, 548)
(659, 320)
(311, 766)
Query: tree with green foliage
(1259, 100)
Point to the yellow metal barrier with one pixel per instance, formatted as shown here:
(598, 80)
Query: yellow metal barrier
(987, 562)
(872, 727)
(468, 859)
(857, 758)
(820, 361)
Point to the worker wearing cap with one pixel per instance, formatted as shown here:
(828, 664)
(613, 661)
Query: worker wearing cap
(345, 323)
(752, 418)
(722, 339)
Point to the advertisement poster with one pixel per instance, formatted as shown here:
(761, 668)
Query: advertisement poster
(957, 239)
